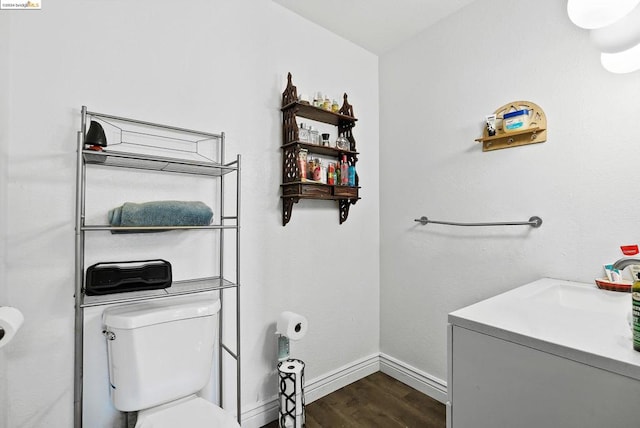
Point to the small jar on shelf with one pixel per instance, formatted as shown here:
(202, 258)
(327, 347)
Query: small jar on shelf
(314, 135)
(303, 133)
(326, 104)
(342, 143)
(317, 170)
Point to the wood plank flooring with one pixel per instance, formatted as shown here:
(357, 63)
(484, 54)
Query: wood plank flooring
(377, 401)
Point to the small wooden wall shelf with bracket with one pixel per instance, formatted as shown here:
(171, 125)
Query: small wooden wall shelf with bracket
(294, 187)
(535, 132)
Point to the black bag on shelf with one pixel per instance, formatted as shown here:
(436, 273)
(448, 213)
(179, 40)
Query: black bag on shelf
(120, 277)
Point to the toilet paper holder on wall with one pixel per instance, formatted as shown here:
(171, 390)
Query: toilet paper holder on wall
(11, 320)
(290, 326)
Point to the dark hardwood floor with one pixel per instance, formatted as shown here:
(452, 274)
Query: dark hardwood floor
(377, 400)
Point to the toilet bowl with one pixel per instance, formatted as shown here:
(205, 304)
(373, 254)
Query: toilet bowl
(191, 412)
(160, 355)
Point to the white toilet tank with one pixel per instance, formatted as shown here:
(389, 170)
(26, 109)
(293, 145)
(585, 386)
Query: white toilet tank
(160, 350)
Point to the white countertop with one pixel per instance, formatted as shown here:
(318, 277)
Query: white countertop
(573, 320)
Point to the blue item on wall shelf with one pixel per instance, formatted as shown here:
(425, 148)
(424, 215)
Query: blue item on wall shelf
(161, 213)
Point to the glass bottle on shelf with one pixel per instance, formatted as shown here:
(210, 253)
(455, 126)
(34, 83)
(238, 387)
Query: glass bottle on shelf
(331, 174)
(324, 175)
(344, 171)
(314, 136)
(317, 170)
(303, 134)
(311, 164)
(302, 164)
(352, 175)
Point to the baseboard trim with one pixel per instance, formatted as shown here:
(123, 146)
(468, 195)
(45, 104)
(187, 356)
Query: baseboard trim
(333, 381)
(261, 414)
(267, 411)
(427, 384)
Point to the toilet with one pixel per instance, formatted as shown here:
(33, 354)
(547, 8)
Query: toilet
(160, 355)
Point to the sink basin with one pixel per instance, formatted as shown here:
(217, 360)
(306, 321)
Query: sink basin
(579, 297)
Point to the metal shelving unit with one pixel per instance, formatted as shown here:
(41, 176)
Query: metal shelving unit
(141, 145)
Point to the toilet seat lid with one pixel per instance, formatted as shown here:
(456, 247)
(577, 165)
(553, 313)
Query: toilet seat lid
(194, 412)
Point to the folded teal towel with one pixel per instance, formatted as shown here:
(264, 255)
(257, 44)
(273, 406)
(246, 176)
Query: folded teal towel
(161, 213)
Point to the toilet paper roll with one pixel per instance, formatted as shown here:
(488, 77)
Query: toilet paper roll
(10, 321)
(292, 325)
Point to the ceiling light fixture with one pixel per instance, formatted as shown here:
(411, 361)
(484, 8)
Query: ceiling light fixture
(622, 62)
(619, 36)
(615, 30)
(591, 14)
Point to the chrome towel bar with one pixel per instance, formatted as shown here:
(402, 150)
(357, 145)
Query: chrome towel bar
(534, 221)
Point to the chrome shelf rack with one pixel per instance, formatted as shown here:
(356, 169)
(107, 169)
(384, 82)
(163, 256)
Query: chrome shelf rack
(141, 145)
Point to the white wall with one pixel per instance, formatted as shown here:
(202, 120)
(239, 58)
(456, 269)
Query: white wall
(205, 65)
(434, 93)
(4, 147)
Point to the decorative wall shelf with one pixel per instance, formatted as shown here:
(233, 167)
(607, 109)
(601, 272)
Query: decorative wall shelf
(536, 132)
(294, 186)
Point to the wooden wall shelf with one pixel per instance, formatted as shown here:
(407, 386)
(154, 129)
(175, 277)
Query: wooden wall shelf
(294, 187)
(322, 150)
(535, 133)
(316, 113)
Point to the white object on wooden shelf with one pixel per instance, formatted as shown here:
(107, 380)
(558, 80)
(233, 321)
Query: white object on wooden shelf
(532, 130)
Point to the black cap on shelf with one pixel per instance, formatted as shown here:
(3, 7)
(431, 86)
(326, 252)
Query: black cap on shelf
(95, 135)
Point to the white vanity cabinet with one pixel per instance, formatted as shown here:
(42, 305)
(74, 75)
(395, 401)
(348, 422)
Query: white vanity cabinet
(530, 359)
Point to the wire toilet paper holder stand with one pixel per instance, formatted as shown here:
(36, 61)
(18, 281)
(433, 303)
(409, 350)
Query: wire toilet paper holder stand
(291, 414)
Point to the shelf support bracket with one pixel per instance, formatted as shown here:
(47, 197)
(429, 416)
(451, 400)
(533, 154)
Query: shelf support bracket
(287, 206)
(344, 205)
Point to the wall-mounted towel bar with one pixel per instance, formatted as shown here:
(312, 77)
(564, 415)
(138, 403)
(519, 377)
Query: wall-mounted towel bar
(534, 221)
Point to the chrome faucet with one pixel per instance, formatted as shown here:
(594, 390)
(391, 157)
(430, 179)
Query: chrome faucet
(623, 263)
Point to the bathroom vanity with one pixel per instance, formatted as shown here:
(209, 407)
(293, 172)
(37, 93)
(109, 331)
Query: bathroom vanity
(550, 353)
